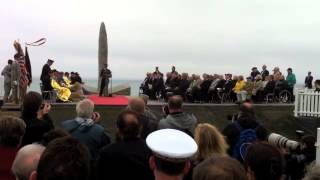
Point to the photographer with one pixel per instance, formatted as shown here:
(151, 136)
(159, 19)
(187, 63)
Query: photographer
(36, 116)
(86, 129)
(176, 118)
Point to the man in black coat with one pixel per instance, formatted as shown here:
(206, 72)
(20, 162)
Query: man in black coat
(45, 76)
(105, 75)
(264, 72)
(308, 81)
(128, 157)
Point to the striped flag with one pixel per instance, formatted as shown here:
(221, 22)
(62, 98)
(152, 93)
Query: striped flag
(24, 80)
(28, 66)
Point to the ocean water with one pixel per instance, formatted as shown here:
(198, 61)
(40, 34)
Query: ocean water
(134, 84)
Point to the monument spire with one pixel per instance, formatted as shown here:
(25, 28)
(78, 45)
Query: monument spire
(103, 50)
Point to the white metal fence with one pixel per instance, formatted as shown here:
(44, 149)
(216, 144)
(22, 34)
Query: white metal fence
(307, 103)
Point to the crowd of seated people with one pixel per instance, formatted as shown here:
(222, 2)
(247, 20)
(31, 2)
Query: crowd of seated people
(67, 87)
(220, 88)
(176, 146)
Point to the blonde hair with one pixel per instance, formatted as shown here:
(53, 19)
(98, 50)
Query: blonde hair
(209, 140)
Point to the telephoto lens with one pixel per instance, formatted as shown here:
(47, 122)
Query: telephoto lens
(282, 142)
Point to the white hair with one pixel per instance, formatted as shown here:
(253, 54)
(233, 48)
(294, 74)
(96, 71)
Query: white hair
(85, 108)
(26, 161)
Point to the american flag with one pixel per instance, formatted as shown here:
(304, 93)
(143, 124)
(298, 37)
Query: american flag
(24, 80)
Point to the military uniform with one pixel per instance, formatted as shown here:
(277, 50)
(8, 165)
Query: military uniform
(15, 78)
(6, 72)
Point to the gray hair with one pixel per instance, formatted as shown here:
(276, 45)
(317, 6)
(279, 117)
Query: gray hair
(137, 105)
(85, 108)
(26, 161)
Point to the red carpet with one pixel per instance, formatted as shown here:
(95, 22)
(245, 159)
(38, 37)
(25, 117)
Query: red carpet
(114, 100)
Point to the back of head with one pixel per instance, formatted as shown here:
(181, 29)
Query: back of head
(12, 130)
(209, 141)
(175, 102)
(128, 125)
(31, 104)
(219, 167)
(264, 161)
(137, 105)
(64, 159)
(52, 135)
(85, 108)
(27, 160)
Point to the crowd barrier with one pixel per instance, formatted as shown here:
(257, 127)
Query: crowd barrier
(307, 103)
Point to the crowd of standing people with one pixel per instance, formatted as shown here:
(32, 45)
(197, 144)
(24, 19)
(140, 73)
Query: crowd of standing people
(176, 146)
(257, 86)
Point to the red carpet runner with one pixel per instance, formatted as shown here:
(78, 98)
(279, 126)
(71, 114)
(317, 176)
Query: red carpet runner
(115, 100)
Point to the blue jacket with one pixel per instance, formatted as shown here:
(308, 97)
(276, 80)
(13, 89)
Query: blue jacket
(88, 133)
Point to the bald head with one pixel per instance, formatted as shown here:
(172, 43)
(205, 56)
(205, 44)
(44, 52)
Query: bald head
(26, 161)
(137, 105)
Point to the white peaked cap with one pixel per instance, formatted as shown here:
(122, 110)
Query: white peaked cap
(172, 144)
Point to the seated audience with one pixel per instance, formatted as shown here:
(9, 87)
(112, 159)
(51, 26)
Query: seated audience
(26, 161)
(264, 162)
(210, 141)
(148, 124)
(63, 159)
(76, 89)
(171, 157)
(36, 116)
(86, 129)
(148, 112)
(63, 93)
(12, 130)
(128, 157)
(239, 91)
(219, 167)
(177, 119)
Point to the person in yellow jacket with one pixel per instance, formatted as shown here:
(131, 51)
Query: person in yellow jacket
(238, 89)
(63, 93)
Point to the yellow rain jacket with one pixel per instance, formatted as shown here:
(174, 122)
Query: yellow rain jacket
(239, 86)
(63, 93)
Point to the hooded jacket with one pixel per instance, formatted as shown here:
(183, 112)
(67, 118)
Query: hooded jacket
(88, 133)
(180, 121)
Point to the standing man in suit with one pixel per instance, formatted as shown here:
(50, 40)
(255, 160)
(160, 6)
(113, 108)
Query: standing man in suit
(105, 74)
(45, 76)
(264, 72)
(6, 72)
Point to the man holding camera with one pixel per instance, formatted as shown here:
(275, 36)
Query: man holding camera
(86, 129)
(176, 118)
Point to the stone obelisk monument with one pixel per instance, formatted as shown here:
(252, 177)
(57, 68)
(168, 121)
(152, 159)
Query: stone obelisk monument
(103, 50)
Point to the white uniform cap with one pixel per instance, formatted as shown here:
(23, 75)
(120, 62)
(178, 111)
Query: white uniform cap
(172, 144)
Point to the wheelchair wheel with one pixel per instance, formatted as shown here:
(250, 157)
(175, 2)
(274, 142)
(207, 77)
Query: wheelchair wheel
(284, 96)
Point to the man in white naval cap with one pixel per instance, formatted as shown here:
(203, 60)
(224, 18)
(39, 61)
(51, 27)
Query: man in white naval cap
(172, 150)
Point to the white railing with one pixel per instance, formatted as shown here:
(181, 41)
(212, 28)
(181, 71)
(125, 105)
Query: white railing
(307, 103)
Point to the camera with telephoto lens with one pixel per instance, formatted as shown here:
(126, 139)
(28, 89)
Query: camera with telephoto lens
(283, 142)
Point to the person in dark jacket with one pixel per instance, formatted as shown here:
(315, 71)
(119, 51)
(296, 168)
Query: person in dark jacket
(128, 157)
(247, 120)
(45, 76)
(86, 129)
(148, 124)
(264, 72)
(308, 81)
(35, 115)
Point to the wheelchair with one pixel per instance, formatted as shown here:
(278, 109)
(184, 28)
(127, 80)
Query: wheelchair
(284, 96)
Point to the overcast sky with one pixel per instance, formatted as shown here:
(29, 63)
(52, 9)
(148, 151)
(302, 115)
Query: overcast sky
(213, 36)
